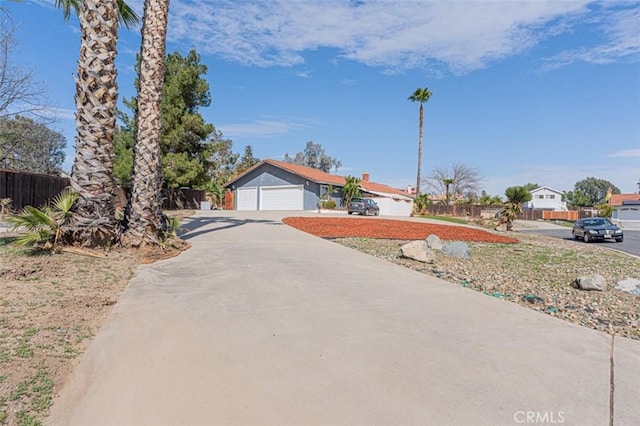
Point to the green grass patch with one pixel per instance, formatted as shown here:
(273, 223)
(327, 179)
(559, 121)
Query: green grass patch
(24, 419)
(444, 218)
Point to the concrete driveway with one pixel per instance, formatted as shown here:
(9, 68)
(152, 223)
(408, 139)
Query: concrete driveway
(260, 324)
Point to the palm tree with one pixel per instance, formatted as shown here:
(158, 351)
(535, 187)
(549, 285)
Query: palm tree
(422, 96)
(145, 217)
(351, 189)
(516, 196)
(447, 182)
(96, 97)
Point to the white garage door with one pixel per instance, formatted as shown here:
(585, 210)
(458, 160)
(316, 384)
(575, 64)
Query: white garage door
(247, 199)
(392, 207)
(282, 198)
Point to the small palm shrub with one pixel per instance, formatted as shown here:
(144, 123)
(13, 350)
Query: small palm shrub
(516, 196)
(45, 227)
(420, 203)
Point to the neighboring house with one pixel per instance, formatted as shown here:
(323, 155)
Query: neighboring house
(277, 185)
(626, 211)
(546, 198)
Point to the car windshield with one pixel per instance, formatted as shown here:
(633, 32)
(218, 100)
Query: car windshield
(597, 222)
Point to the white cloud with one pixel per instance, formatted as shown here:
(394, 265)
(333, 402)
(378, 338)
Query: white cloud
(629, 153)
(260, 128)
(394, 35)
(621, 40)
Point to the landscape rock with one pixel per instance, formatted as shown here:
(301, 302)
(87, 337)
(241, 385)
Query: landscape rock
(590, 282)
(418, 250)
(457, 249)
(630, 285)
(434, 242)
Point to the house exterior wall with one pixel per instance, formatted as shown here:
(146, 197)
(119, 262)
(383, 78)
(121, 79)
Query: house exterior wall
(627, 216)
(545, 198)
(268, 175)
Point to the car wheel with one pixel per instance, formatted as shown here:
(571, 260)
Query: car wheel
(366, 212)
(377, 213)
(619, 240)
(349, 212)
(586, 238)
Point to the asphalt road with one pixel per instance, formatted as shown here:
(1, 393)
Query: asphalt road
(631, 243)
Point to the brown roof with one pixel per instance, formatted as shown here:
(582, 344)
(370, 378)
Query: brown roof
(617, 199)
(319, 176)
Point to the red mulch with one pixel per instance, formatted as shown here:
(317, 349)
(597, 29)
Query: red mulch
(337, 227)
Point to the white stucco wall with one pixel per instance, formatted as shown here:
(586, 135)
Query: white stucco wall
(546, 198)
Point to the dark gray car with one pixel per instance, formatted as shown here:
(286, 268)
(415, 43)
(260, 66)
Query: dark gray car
(365, 206)
(596, 228)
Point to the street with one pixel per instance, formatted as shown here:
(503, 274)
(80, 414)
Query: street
(631, 243)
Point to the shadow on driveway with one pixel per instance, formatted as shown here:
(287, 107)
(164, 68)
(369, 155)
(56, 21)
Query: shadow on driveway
(191, 224)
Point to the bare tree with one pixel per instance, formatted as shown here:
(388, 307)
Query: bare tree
(20, 94)
(452, 183)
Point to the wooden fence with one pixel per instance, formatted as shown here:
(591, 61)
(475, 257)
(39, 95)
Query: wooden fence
(29, 189)
(32, 189)
(476, 211)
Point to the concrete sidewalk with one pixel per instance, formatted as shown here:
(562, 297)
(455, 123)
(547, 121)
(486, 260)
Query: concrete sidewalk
(260, 324)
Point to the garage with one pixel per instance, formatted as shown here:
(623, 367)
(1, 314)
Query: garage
(247, 198)
(627, 216)
(394, 206)
(282, 197)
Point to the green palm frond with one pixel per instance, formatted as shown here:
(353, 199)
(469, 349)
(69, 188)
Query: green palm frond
(32, 219)
(64, 202)
(34, 238)
(126, 16)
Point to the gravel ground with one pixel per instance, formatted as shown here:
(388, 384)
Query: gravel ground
(536, 273)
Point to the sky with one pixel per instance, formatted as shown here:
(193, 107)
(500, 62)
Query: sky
(525, 92)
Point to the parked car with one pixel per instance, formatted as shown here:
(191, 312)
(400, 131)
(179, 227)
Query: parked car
(596, 228)
(364, 206)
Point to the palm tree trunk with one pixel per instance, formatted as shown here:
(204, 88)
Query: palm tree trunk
(419, 174)
(145, 223)
(96, 98)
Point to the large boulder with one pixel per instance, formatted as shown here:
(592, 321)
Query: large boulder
(434, 242)
(418, 250)
(590, 282)
(457, 249)
(630, 285)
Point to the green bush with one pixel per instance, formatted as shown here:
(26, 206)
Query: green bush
(328, 204)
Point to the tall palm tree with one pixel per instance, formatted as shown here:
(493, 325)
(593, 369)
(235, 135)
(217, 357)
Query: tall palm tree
(422, 96)
(96, 97)
(145, 221)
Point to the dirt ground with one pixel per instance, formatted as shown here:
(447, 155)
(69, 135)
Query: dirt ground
(51, 306)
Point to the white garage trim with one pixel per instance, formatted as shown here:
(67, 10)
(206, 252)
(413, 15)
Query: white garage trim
(282, 197)
(247, 198)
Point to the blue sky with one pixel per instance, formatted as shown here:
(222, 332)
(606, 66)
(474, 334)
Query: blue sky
(545, 92)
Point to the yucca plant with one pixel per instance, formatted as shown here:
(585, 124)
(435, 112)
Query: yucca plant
(45, 226)
(516, 196)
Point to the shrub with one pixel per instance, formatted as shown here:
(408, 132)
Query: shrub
(328, 204)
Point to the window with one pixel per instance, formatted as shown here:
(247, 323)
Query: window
(551, 196)
(540, 197)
